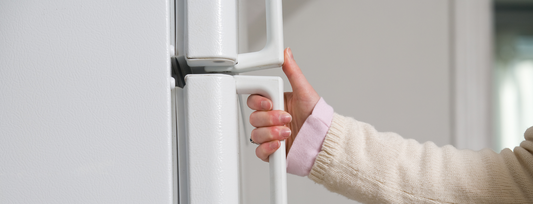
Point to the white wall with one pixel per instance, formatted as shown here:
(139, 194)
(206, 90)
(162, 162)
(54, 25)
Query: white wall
(384, 62)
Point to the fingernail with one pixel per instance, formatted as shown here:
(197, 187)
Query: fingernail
(285, 118)
(265, 105)
(285, 133)
(274, 145)
(290, 53)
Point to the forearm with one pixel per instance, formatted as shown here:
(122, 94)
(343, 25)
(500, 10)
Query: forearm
(374, 167)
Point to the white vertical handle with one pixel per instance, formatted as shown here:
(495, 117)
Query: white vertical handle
(271, 56)
(272, 88)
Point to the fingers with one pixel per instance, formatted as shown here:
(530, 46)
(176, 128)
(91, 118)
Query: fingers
(264, 150)
(258, 102)
(270, 118)
(294, 73)
(270, 126)
(269, 140)
(267, 134)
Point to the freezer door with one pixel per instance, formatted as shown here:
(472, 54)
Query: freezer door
(85, 113)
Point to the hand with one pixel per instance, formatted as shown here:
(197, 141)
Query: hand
(275, 125)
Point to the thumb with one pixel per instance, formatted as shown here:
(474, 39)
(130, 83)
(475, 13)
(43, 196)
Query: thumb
(298, 81)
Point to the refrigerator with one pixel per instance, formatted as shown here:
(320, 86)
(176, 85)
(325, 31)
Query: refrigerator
(91, 110)
(85, 105)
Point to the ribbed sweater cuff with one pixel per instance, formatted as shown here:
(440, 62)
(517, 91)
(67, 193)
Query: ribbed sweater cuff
(330, 148)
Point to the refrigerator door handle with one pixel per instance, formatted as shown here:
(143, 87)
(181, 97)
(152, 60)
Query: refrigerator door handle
(271, 56)
(272, 88)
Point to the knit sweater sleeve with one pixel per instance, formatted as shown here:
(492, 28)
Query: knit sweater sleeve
(379, 167)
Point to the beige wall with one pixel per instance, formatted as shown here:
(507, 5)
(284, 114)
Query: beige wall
(384, 62)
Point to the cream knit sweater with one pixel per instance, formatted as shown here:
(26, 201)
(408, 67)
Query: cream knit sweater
(376, 167)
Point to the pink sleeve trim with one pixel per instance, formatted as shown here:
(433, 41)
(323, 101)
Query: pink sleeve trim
(309, 140)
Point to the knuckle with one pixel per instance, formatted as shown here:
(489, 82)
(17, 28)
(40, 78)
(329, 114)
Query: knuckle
(276, 118)
(273, 132)
(273, 117)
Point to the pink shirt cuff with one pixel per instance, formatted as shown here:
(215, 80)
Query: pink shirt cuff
(309, 140)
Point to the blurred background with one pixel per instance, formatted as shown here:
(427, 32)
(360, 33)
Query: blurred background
(452, 72)
(513, 71)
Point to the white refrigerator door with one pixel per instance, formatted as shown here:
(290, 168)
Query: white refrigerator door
(85, 103)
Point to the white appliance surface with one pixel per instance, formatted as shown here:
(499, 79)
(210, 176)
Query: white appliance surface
(211, 32)
(85, 108)
(213, 151)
